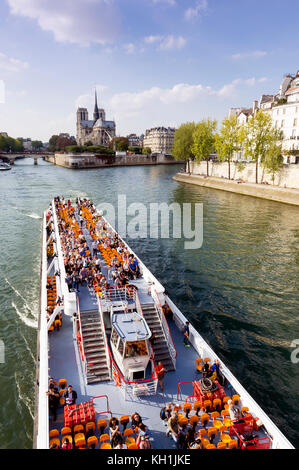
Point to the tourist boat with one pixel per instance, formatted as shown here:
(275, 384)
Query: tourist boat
(106, 342)
(4, 166)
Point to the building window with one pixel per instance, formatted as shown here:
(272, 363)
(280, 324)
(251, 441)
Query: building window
(295, 122)
(282, 123)
(284, 110)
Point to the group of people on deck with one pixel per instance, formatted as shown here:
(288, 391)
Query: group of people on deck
(82, 263)
(139, 428)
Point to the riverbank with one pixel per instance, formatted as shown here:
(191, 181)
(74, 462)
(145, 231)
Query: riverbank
(85, 160)
(284, 195)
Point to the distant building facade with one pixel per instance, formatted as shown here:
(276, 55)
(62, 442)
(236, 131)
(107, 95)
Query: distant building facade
(159, 139)
(98, 131)
(134, 140)
(283, 108)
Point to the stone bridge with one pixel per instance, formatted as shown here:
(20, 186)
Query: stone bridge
(10, 157)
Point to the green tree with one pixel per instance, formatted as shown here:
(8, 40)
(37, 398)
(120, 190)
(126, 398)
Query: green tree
(146, 151)
(37, 144)
(120, 144)
(52, 143)
(227, 141)
(204, 140)
(257, 136)
(273, 160)
(183, 141)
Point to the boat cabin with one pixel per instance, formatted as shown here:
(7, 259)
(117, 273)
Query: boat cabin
(129, 344)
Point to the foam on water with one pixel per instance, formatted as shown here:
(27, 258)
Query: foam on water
(24, 318)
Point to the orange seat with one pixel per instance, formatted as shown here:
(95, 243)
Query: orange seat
(79, 428)
(104, 437)
(66, 430)
(62, 401)
(212, 433)
(221, 445)
(54, 441)
(79, 439)
(207, 359)
(202, 432)
(183, 421)
(106, 445)
(225, 437)
(205, 418)
(225, 400)
(194, 420)
(128, 432)
(207, 404)
(92, 440)
(232, 444)
(217, 404)
(90, 426)
(69, 437)
(205, 442)
(197, 407)
(211, 446)
(132, 446)
(245, 409)
(124, 420)
(198, 361)
(62, 383)
(53, 433)
(215, 414)
(130, 440)
(187, 407)
(101, 424)
(236, 399)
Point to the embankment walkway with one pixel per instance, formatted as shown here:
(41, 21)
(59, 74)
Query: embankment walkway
(264, 191)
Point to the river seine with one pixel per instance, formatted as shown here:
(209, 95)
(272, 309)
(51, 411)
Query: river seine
(240, 289)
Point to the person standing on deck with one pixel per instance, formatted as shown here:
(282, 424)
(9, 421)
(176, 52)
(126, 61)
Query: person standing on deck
(186, 332)
(160, 371)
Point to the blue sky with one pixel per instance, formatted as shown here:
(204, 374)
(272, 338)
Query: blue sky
(154, 62)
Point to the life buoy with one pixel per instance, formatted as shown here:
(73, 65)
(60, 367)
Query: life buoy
(116, 378)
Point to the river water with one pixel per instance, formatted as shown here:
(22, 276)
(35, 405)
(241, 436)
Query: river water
(240, 289)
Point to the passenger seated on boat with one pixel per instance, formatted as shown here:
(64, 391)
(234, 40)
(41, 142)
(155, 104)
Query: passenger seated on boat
(215, 368)
(67, 444)
(70, 396)
(197, 444)
(145, 443)
(136, 420)
(134, 270)
(234, 411)
(167, 311)
(173, 427)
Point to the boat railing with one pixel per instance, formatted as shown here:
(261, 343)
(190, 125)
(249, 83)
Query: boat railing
(165, 327)
(81, 334)
(108, 358)
(110, 296)
(185, 382)
(108, 411)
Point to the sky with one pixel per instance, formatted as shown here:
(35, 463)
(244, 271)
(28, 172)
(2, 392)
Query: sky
(153, 62)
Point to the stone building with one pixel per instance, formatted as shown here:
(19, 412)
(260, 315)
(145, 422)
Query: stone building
(98, 131)
(159, 139)
(283, 108)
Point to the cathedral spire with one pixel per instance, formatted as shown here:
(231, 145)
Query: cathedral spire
(96, 114)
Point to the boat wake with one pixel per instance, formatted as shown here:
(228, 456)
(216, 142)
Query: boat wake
(33, 216)
(27, 402)
(24, 318)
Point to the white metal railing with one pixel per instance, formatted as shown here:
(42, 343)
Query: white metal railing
(165, 327)
(42, 440)
(82, 340)
(108, 359)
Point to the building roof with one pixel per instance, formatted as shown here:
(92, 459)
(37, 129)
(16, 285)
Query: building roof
(292, 90)
(267, 98)
(247, 111)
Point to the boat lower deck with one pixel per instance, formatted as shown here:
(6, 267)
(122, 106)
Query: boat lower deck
(65, 363)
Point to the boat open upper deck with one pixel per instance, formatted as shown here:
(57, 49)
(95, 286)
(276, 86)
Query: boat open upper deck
(75, 343)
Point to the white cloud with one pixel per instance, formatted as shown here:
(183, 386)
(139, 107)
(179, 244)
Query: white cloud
(129, 48)
(75, 21)
(2, 92)
(248, 55)
(166, 42)
(200, 7)
(86, 100)
(11, 65)
(169, 2)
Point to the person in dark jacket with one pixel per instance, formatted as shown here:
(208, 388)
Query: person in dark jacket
(70, 396)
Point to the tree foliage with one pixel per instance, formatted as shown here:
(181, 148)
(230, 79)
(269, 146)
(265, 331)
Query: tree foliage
(228, 140)
(9, 144)
(204, 140)
(183, 141)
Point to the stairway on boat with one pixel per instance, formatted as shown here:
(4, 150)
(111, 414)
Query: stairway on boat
(97, 369)
(160, 346)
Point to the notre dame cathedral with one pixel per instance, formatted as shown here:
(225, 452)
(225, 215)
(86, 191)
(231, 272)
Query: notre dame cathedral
(98, 131)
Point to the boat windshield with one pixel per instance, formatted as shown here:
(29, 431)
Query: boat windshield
(136, 348)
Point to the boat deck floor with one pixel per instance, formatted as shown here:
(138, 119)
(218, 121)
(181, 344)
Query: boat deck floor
(65, 363)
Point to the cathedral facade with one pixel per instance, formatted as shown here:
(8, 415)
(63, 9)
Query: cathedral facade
(97, 131)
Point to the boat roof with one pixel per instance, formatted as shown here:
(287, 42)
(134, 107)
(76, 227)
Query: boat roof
(130, 326)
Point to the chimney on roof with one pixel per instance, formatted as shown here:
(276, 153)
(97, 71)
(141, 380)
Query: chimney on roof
(255, 106)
